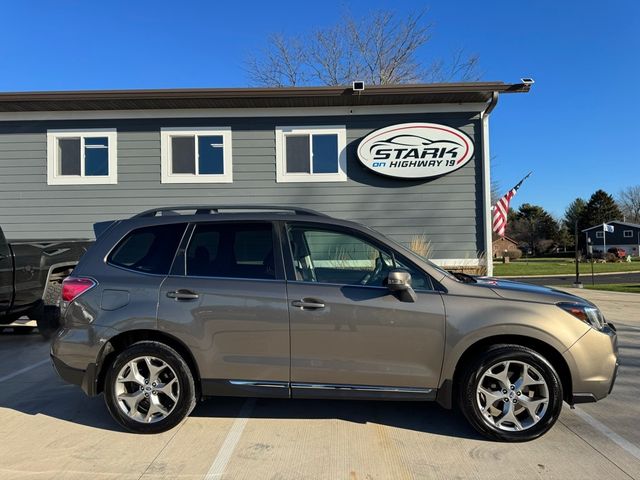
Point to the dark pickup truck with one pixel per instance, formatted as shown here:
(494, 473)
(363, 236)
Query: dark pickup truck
(31, 274)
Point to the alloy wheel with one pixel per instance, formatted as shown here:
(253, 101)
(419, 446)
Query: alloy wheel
(512, 396)
(147, 389)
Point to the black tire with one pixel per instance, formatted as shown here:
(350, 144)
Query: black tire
(183, 406)
(468, 384)
(48, 320)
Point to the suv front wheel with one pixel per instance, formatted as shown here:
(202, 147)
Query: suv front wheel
(149, 388)
(511, 393)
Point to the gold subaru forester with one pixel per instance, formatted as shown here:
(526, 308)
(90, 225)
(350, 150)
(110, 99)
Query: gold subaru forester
(180, 303)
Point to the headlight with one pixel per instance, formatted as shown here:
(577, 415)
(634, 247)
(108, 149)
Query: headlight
(589, 315)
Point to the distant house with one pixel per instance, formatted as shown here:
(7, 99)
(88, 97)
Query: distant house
(625, 235)
(502, 244)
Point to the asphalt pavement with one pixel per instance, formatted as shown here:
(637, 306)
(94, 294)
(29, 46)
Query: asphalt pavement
(50, 430)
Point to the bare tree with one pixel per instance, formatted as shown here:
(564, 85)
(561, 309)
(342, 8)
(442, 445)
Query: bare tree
(629, 201)
(461, 67)
(330, 58)
(381, 49)
(283, 63)
(496, 193)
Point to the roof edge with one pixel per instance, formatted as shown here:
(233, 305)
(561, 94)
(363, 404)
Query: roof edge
(620, 222)
(264, 92)
(246, 98)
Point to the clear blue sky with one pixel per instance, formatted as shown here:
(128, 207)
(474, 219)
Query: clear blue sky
(576, 130)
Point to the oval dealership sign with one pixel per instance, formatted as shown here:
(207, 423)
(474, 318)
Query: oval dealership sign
(415, 150)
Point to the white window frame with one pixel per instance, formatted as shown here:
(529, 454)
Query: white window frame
(166, 174)
(630, 232)
(282, 176)
(54, 178)
(599, 234)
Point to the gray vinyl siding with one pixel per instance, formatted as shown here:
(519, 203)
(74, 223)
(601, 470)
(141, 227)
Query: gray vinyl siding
(448, 209)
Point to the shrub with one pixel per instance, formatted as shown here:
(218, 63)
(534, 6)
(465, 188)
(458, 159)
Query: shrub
(513, 254)
(420, 245)
(611, 257)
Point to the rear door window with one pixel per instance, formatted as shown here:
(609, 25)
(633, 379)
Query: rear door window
(148, 249)
(232, 250)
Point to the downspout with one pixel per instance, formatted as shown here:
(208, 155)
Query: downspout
(486, 182)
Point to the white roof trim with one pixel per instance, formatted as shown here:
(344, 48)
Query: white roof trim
(617, 222)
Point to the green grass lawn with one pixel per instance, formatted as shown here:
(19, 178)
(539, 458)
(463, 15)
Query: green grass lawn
(616, 287)
(553, 266)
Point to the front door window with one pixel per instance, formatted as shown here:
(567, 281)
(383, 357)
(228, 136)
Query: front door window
(329, 256)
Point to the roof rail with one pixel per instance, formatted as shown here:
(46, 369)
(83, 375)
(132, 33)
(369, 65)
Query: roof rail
(209, 209)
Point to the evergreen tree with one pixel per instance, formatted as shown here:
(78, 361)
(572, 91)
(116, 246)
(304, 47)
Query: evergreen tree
(564, 237)
(574, 213)
(600, 208)
(533, 225)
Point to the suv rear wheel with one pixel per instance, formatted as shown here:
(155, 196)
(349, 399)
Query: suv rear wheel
(149, 388)
(511, 393)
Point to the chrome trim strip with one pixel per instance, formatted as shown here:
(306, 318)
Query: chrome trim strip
(303, 282)
(249, 383)
(361, 388)
(201, 277)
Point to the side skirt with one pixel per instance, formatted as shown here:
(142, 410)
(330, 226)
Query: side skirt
(266, 389)
(245, 388)
(360, 392)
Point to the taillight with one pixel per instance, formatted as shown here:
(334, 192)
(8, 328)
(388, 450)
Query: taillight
(72, 287)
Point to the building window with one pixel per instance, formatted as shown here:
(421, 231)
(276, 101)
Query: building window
(82, 157)
(311, 154)
(628, 234)
(599, 234)
(196, 155)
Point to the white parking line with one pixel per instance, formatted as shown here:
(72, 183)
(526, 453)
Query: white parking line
(228, 446)
(23, 370)
(613, 436)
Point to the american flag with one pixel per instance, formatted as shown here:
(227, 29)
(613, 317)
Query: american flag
(502, 208)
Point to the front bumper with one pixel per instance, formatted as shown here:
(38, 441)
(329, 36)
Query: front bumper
(593, 361)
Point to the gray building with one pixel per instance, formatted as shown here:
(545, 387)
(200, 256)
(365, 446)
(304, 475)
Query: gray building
(625, 235)
(408, 160)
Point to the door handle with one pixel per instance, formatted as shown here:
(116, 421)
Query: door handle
(308, 303)
(183, 295)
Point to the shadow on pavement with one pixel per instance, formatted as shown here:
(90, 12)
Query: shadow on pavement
(426, 417)
(64, 402)
(40, 392)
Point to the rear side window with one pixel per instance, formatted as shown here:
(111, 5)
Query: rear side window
(148, 249)
(242, 250)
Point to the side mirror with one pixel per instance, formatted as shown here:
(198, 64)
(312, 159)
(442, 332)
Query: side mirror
(399, 281)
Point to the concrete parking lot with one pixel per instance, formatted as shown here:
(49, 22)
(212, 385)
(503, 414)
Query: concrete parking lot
(51, 430)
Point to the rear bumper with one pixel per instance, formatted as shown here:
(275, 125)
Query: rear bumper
(75, 354)
(594, 363)
(85, 379)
